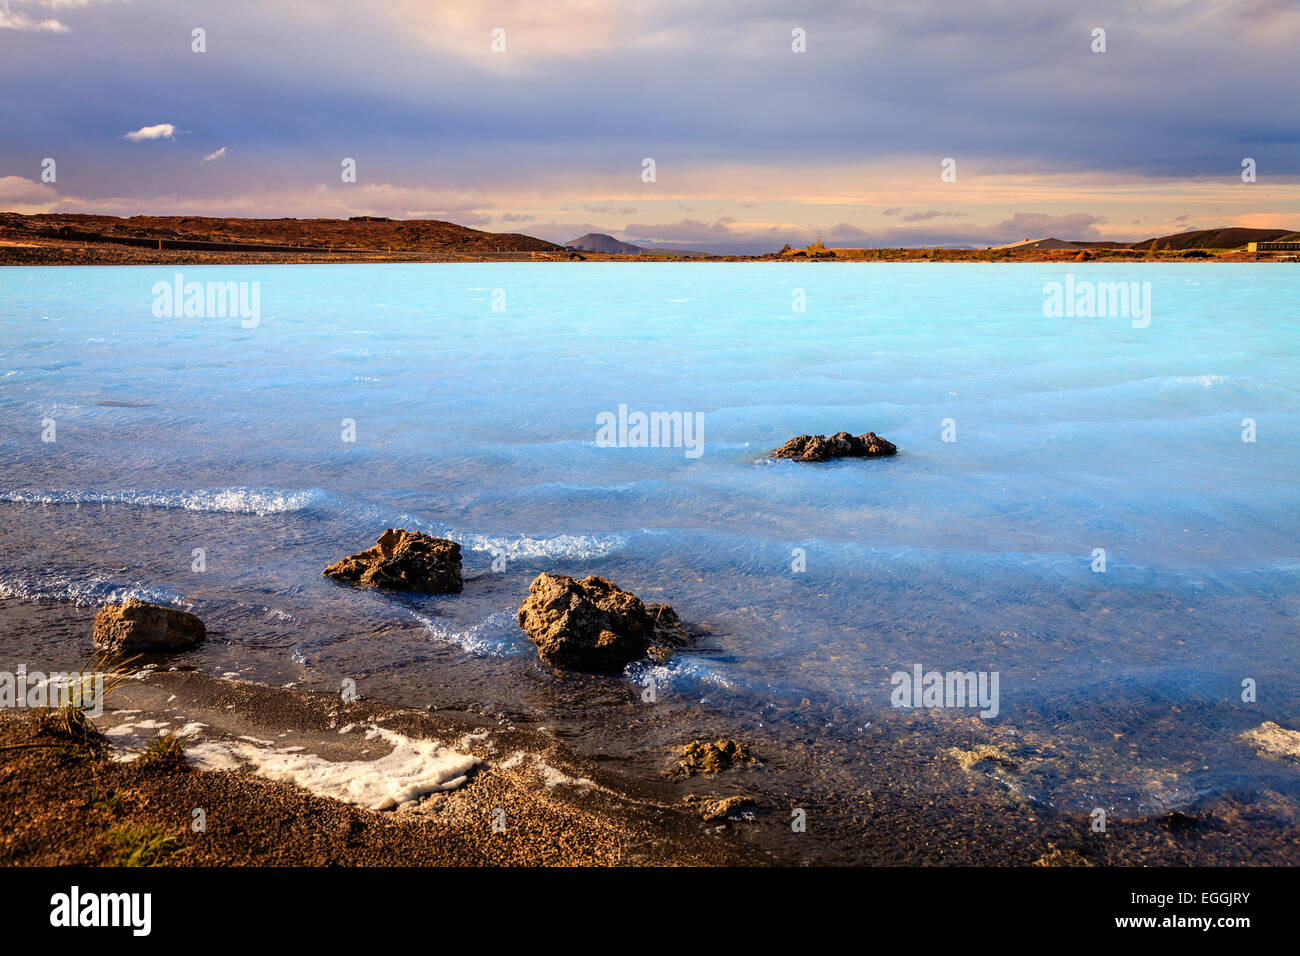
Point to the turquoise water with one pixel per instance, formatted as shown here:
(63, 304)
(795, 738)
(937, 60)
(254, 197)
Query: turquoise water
(1071, 434)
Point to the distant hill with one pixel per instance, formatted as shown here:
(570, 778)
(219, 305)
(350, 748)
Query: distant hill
(374, 233)
(599, 242)
(1216, 239)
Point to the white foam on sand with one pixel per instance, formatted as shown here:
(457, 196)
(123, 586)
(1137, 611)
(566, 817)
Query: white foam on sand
(412, 769)
(549, 776)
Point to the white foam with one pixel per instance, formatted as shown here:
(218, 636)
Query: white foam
(258, 501)
(412, 769)
(550, 776)
(88, 592)
(493, 637)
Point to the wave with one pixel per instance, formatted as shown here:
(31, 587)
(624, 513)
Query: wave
(87, 592)
(497, 636)
(257, 501)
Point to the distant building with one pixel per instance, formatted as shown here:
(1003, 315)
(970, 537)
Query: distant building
(1273, 247)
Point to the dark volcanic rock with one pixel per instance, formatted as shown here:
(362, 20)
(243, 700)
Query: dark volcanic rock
(839, 445)
(713, 756)
(404, 561)
(712, 809)
(136, 626)
(595, 625)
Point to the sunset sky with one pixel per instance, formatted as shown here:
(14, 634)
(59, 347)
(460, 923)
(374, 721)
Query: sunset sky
(755, 145)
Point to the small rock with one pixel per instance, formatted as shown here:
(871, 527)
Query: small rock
(595, 625)
(713, 756)
(839, 445)
(669, 634)
(728, 808)
(1271, 739)
(404, 561)
(984, 753)
(136, 626)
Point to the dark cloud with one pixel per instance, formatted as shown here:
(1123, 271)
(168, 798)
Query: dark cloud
(1186, 89)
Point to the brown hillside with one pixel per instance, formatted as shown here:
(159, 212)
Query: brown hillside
(1216, 239)
(401, 235)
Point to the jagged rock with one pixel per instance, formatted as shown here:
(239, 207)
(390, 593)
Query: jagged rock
(839, 445)
(404, 561)
(713, 756)
(595, 625)
(137, 626)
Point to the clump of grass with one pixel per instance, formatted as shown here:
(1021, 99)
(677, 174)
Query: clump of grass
(140, 844)
(68, 723)
(166, 749)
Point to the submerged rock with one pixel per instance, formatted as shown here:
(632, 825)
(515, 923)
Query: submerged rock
(839, 445)
(404, 561)
(137, 626)
(713, 756)
(1271, 739)
(595, 625)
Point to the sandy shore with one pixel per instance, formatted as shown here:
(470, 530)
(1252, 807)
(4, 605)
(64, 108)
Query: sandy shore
(526, 802)
(916, 792)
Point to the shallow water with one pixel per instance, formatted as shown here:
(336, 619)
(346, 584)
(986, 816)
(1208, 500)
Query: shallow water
(1072, 434)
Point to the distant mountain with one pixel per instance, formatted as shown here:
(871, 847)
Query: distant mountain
(599, 242)
(1216, 239)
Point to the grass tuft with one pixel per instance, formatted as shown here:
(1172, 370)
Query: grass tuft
(165, 750)
(140, 844)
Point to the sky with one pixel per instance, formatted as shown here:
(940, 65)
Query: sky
(767, 122)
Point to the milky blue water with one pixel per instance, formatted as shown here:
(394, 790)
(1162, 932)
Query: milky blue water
(479, 423)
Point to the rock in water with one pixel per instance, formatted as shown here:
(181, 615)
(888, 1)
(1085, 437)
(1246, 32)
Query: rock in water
(713, 756)
(135, 626)
(839, 445)
(404, 561)
(668, 631)
(594, 625)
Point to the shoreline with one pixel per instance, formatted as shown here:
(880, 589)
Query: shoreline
(528, 802)
(931, 795)
(107, 254)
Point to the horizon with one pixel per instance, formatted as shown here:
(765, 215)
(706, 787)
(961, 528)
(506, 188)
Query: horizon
(765, 128)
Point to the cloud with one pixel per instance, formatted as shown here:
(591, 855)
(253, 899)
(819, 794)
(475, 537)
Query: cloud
(931, 214)
(10, 20)
(160, 131)
(213, 157)
(26, 196)
(685, 230)
(1033, 225)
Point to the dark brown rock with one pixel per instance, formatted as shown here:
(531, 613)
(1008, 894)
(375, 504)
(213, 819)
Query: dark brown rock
(136, 626)
(727, 808)
(595, 625)
(839, 445)
(713, 756)
(404, 561)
